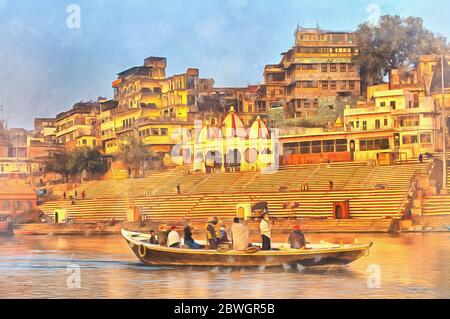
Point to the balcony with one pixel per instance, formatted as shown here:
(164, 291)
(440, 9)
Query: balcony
(122, 129)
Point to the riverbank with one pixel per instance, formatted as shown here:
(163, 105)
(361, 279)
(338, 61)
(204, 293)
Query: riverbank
(279, 226)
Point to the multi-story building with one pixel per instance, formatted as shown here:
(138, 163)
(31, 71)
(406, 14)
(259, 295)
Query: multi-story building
(45, 128)
(320, 64)
(13, 151)
(77, 127)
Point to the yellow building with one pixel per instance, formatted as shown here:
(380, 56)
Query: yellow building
(77, 127)
(410, 117)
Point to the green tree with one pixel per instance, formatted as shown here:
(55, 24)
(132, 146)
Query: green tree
(86, 159)
(133, 153)
(395, 43)
(76, 162)
(58, 163)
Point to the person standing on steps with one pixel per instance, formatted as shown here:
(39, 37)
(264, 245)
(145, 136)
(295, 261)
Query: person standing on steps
(264, 228)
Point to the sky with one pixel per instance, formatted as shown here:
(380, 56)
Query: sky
(49, 61)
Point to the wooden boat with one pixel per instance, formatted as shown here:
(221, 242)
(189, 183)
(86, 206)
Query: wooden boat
(313, 255)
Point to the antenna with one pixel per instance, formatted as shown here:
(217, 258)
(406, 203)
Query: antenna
(2, 121)
(1, 108)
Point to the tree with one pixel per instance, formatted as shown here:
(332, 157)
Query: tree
(133, 153)
(94, 163)
(75, 162)
(87, 160)
(57, 163)
(395, 43)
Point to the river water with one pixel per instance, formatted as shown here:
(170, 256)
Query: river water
(398, 266)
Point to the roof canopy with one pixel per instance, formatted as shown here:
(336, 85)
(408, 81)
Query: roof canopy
(233, 126)
(258, 130)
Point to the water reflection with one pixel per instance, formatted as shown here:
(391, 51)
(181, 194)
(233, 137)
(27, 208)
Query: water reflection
(412, 265)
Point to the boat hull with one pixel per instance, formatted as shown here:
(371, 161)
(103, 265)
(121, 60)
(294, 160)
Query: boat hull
(163, 256)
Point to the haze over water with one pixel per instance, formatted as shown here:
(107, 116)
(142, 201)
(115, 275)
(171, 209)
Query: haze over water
(412, 266)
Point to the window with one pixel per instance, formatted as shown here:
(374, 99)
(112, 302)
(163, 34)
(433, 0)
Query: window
(316, 103)
(164, 131)
(324, 68)
(351, 85)
(332, 67)
(341, 145)
(382, 104)
(343, 85)
(84, 141)
(357, 124)
(309, 84)
(328, 146)
(290, 148)
(377, 124)
(385, 122)
(392, 104)
(364, 126)
(17, 205)
(374, 144)
(316, 147)
(343, 68)
(155, 131)
(425, 138)
(305, 147)
(5, 206)
(307, 104)
(309, 66)
(324, 85)
(409, 139)
(351, 68)
(333, 85)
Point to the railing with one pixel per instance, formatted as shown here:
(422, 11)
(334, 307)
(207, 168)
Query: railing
(412, 190)
(407, 201)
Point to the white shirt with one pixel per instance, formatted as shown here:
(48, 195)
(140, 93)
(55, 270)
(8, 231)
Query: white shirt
(173, 238)
(264, 227)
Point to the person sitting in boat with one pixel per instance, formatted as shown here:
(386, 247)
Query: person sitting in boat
(297, 238)
(188, 239)
(153, 239)
(173, 239)
(212, 232)
(264, 228)
(223, 235)
(162, 235)
(239, 235)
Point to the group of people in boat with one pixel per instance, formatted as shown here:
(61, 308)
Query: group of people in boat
(217, 236)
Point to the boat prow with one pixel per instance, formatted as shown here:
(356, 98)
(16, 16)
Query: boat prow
(322, 254)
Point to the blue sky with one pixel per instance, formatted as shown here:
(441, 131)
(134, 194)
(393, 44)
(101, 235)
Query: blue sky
(45, 67)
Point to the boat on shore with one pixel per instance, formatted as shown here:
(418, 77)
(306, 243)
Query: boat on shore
(312, 255)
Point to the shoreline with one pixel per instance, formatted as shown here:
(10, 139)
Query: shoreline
(282, 227)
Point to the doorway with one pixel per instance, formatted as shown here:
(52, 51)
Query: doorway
(341, 210)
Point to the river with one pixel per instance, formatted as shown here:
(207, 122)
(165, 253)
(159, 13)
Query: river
(398, 266)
